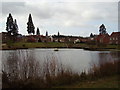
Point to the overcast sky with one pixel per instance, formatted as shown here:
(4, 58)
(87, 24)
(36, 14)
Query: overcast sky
(67, 17)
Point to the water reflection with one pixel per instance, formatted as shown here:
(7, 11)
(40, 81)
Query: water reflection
(108, 56)
(78, 59)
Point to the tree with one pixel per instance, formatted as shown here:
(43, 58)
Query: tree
(15, 28)
(58, 33)
(91, 35)
(30, 25)
(38, 31)
(9, 24)
(33, 31)
(46, 33)
(102, 29)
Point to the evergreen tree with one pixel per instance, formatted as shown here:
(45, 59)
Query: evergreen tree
(46, 33)
(38, 31)
(91, 35)
(102, 29)
(58, 33)
(9, 24)
(33, 31)
(15, 28)
(30, 25)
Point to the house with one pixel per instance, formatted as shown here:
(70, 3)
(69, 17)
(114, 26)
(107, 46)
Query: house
(115, 38)
(102, 38)
(76, 41)
(5, 37)
(84, 40)
(44, 38)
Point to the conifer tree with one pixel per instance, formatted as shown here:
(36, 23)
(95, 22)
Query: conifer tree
(38, 31)
(9, 24)
(46, 33)
(91, 35)
(15, 28)
(102, 29)
(30, 25)
(58, 33)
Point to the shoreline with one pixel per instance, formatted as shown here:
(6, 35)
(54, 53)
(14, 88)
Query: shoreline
(84, 48)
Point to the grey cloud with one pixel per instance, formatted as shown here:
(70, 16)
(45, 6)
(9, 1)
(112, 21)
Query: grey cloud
(13, 7)
(62, 14)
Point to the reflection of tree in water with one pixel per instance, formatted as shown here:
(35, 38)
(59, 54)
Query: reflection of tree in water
(108, 57)
(20, 65)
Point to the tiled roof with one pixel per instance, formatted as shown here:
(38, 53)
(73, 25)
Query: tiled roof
(115, 33)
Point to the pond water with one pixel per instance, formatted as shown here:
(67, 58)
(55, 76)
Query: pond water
(78, 59)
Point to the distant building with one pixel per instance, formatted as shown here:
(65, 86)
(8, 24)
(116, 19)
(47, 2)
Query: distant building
(115, 38)
(103, 38)
(5, 37)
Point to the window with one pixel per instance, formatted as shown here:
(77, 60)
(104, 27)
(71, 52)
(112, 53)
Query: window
(113, 38)
(110, 38)
(116, 38)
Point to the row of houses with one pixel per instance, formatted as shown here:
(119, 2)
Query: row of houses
(41, 38)
(114, 38)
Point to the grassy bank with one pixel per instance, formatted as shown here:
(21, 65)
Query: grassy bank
(108, 82)
(27, 72)
(22, 45)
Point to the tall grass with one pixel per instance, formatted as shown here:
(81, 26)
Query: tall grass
(106, 69)
(22, 70)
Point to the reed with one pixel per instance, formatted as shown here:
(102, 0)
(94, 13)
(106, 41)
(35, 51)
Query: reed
(22, 70)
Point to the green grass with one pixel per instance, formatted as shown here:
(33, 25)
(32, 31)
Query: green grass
(108, 82)
(112, 46)
(48, 44)
(57, 45)
(42, 45)
(34, 45)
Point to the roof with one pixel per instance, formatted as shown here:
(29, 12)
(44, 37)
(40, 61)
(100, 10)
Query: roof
(102, 36)
(4, 32)
(115, 34)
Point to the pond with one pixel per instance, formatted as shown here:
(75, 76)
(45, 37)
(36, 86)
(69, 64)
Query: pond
(77, 59)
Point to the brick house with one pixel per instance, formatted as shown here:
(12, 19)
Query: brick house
(115, 38)
(103, 38)
(44, 38)
(5, 37)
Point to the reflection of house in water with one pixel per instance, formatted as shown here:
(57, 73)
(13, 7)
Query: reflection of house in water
(108, 56)
(115, 55)
(104, 57)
